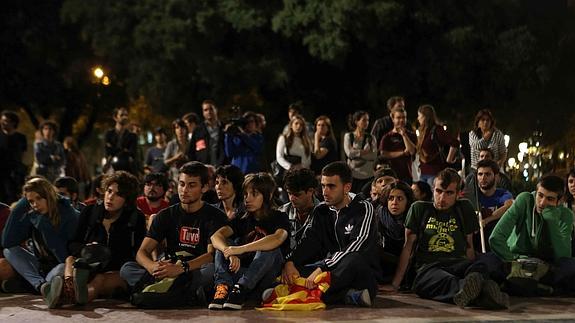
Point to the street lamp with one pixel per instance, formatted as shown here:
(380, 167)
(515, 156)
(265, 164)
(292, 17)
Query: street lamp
(98, 72)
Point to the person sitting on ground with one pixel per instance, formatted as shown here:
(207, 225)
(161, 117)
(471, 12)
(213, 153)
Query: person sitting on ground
(229, 181)
(535, 226)
(50, 221)
(186, 226)
(152, 202)
(250, 248)
(396, 199)
(6, 271)
(115, 226)
(300, 186)
(341, 239)
(501, 179)
(492, 202)
(440, 236)
(382, 177)
(68, 187)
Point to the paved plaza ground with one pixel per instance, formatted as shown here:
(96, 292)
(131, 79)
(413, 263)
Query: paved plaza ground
(388, 308)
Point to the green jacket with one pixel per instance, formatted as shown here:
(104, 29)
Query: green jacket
(515, 236)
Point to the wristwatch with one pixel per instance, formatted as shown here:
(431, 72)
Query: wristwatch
(185, 266)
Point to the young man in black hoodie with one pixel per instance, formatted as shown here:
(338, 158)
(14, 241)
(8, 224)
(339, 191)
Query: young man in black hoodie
(342, 239)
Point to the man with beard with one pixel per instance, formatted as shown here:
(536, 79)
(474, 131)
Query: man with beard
(152, 202)
(492, 201)
(121, 145)
(501, 179)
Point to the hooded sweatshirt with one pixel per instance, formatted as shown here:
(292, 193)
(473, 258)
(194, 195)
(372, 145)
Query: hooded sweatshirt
(522, 232)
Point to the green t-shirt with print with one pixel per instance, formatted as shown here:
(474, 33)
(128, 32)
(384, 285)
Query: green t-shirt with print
(444, 232)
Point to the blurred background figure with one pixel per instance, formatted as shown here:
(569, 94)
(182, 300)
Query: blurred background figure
(485, 135)
(49, 153)
(77, 166)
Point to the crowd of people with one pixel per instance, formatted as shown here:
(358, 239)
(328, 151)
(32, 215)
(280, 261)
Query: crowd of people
(201, 220)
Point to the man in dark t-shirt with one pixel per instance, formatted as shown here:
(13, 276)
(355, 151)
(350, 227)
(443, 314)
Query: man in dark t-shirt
(187, 227)
(440, 235)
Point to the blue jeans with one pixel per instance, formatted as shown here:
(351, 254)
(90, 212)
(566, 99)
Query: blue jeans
(27, 265)
(132, 272)
(265, 267)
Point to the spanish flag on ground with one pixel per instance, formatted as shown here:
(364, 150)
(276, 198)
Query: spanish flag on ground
(297, 297)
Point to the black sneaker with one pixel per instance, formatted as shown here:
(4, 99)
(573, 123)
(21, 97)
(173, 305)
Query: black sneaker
(358, 298)
(492, 297)
(17, 285)
(51, 291)
(220, 297)
(236, 298)
(470, 289)
(81, 276)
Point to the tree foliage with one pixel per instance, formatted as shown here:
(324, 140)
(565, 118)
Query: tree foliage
(512, 56)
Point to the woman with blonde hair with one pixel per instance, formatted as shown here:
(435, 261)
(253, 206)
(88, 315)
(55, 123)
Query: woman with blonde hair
(325, 145)
(49, 221)
(293, 150)
(430, 142)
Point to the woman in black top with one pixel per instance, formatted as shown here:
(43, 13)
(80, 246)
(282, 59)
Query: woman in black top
(396, 199)
(325, 145)
(109, 234)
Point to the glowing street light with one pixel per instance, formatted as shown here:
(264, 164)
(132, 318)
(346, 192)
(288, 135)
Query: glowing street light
(523, 147)
(98, 72)
(506, 138)
(511, 162)
(106, 80)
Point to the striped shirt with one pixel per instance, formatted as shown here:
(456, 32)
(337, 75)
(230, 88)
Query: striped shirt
(496, 144)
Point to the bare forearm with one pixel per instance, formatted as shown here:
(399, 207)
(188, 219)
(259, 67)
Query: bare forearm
(266, 243)
(197, 262)
(404, 259)
(219, 242)
(145, 260)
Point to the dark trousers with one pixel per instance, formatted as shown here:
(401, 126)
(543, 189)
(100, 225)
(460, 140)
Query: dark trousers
(561, 275)
(440, 282)
(352, 272)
